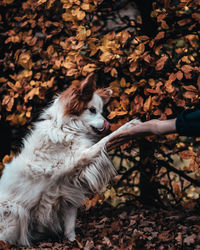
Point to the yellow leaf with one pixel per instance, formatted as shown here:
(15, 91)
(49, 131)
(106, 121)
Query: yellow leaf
(85, 6)
(115, 113)
(90, 67)
(114, 72)
(25, 60)
(152, 82)
(81, 15)
(67, 16)
(123, 36)
(31, 94)
(68, 65)
(106, 57)
(17, 119)
(71, 72)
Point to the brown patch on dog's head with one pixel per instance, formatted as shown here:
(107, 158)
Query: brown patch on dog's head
(105, 94)
(77, 96)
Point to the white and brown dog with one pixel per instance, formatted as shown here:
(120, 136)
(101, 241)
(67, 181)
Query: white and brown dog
(63, 159)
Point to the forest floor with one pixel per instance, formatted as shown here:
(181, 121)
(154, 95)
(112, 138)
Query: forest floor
(106, 227)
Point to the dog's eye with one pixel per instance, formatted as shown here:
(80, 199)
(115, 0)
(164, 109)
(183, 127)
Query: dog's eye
(93, 110)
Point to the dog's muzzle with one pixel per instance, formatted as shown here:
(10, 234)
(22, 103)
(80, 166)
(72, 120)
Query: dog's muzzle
(104, 129)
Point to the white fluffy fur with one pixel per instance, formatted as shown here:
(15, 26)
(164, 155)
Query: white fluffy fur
(60, 163)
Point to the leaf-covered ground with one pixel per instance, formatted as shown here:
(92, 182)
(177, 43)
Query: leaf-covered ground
(129, 228)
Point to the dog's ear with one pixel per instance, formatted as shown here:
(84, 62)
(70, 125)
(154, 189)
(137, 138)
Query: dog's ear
(87, 87)
(105, 94)
(76, 97)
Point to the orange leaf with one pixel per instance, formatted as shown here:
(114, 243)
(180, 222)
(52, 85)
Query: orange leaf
(169, 87)
(133, 66)
(123, 82)
(131, 90)
(172, 77)
(186, 68)
(179, 75)
(183, 22)
(115, 113)
(160, 35)
(8, 101)
(147, 104)
(8, 1)
(196, 16)
(190, 95)
(190, 88)
(168, 111)
(81, 15)
(164, 25)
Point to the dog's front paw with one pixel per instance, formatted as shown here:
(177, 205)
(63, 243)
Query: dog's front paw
(71, 236)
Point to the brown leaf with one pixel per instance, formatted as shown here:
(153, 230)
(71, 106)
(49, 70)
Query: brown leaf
(161, 62)
(189, 240)
(198, 83)
(133, 66)
(165, 236)
(187, 154)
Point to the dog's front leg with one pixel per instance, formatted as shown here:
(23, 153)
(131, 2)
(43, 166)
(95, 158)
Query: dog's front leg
(69, 222)
(94, 151)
